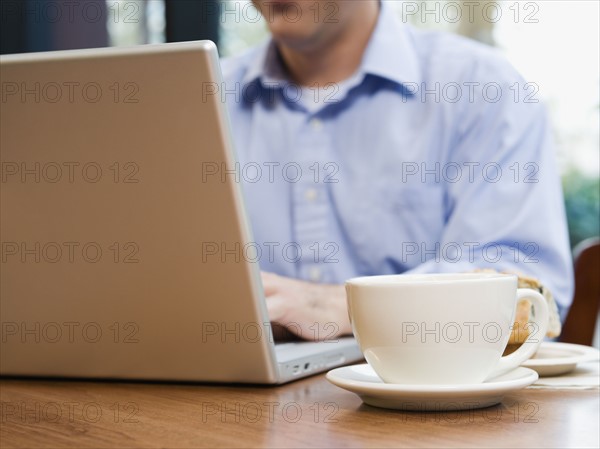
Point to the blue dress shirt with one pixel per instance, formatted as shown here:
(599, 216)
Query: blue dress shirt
(435, 156)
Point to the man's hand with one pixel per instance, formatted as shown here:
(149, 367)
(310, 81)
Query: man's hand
(311, 311)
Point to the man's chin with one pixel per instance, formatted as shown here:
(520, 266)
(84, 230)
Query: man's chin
(293, 39)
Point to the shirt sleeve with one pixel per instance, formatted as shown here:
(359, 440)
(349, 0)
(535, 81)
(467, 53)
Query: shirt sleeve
(506, 211)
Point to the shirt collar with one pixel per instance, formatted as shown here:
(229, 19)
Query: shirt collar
(265, 65)
(389, 54)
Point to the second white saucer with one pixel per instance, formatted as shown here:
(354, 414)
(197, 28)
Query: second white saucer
(553, 358)
(362, 380)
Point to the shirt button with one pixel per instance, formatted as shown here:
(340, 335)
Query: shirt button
(316, 124)
(311, 195)
(314, 274)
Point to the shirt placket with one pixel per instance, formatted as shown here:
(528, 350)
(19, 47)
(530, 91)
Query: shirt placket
(310, 202)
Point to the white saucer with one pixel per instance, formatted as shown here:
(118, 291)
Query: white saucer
(362, 380)
(553, 359)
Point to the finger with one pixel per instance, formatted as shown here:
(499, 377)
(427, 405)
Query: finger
(270, 283)
(276, 308)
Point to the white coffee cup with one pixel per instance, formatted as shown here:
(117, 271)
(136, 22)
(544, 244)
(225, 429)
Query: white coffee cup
(441, 328)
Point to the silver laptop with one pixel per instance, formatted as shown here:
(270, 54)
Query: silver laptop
(119, 258)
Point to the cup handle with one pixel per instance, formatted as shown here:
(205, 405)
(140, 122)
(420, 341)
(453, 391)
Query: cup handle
(539, 322)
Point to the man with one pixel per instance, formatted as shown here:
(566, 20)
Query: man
(369, 147)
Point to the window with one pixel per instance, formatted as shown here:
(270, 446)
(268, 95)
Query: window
(133, 22)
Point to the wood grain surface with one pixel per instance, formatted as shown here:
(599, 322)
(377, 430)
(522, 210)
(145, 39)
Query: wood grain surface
(306, 413)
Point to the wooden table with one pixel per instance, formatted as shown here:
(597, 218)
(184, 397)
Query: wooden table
(306, 413)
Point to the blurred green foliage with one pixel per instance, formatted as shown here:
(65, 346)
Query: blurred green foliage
(582, 202)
